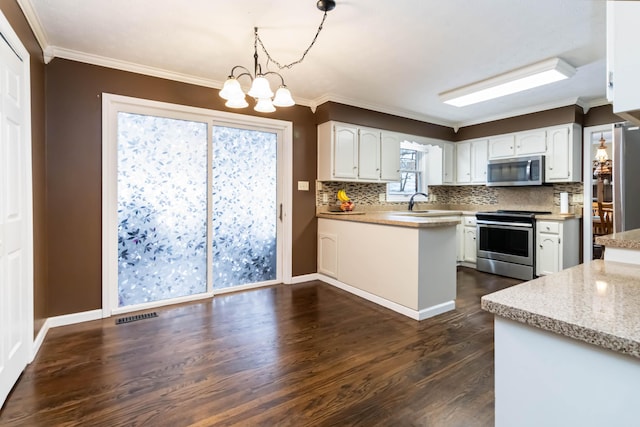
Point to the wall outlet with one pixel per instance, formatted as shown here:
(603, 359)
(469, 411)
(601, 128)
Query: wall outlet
(319, 185)
(303, 185)
(577, 198)
(382, 197)
(433, 198)
(325, 198)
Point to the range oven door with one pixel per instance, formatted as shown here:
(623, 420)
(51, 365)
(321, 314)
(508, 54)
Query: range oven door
(505, 241)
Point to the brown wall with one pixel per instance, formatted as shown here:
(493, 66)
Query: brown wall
(14, 15)
(602, 115)
(556, 116)
(74, 144)
(360, 116)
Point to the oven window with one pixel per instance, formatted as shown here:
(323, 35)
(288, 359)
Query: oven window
(505, 241)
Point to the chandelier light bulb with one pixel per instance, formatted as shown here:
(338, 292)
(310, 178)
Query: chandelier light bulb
(283, 98)
(264, 105)
(260, 88)
(237, 103)
(231, 89)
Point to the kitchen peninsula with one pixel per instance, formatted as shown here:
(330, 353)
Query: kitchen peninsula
(567, 347)
(403, 261)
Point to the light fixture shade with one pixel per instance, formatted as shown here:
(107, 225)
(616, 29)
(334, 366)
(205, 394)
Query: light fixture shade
(601, 155)
(260, 88)
(237, 103)
(534, 75)
(264, 105)
(283, 98)
(231, 90)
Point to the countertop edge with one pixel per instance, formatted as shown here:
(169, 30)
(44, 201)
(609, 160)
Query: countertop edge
(390, 219)
(562, 328)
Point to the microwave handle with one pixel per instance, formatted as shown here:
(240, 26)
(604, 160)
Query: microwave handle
(529, 170)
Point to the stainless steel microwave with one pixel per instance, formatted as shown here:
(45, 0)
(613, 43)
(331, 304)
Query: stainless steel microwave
(516, 171)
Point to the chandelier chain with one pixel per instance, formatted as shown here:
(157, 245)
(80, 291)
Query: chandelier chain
(304, 54)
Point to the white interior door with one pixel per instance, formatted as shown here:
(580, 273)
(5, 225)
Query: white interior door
(16, 260)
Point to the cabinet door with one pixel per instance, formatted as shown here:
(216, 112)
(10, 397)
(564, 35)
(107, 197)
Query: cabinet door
(434, 165)
(448, 163)
(369, 154)
(345, 152)
(534, 142)
(501, 146)
(559, 155)
(390, 157)
(547, 254)
(479, 161)
(463, 163)
(328, 254)
(470, 249)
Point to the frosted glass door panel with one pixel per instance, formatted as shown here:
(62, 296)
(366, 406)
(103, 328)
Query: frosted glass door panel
(244, 205)
(162, 208)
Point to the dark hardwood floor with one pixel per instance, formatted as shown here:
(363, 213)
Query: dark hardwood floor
(301, 355)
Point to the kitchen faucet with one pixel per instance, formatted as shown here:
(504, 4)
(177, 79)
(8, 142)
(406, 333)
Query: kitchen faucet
(411, 202)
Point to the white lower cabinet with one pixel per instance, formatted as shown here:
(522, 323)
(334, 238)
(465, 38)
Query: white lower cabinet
(557, 245)
(466, 240)
(328, 254)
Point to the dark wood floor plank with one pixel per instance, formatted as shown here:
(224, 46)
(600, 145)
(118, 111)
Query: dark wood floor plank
(299, 355)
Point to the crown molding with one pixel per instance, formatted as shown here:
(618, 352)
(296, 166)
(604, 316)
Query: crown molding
(35, 24)
(381, 109)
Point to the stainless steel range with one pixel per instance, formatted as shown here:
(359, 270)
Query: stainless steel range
(506, 243)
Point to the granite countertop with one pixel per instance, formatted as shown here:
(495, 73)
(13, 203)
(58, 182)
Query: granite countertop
(597, 302)
(624, 240)
(558, 216)
(398, 218)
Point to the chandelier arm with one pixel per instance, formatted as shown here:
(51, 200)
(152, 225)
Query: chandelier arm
(304, 54)
(246, 72)
(277, 74)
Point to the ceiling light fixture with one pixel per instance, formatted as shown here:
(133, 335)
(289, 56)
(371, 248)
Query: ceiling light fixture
(534, 75)
(260, 88)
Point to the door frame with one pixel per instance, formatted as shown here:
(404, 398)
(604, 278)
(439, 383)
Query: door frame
(111, 105)
(587, 192)
(26, 303)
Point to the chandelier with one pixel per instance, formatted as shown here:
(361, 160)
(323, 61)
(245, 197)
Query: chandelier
(602, 165)
(260, 88)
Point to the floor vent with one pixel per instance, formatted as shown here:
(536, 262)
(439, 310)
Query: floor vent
(130, 319)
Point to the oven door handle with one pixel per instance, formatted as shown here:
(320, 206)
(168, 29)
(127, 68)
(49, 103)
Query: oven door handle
(506, 224)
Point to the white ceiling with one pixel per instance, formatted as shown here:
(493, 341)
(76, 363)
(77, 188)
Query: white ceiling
(390, 56)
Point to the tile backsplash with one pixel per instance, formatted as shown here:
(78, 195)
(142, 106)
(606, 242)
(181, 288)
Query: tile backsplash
(468, 197)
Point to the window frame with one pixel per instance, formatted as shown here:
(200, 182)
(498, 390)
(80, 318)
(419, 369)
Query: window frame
(407, 144)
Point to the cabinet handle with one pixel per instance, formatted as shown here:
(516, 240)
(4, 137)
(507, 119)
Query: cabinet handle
(541, 247)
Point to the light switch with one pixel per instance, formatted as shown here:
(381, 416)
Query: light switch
(382, 197)
(325, 198)
(303, 185)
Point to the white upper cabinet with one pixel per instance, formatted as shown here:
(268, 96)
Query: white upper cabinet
(518, 144)
(434, 163)
(563, 156)
(448, 163)
(479, 157)
(463, 163)
(623, 64)
(502, 146)
(471, 162)
(531, 142)
(345, 152)
(369, 154)
(353, 153)
(390, 157)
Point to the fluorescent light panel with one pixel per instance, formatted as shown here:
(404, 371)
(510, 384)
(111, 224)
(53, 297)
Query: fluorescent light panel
(538, 74)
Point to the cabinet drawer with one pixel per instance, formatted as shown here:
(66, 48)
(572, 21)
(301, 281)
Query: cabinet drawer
(469, 221)
(548, 227)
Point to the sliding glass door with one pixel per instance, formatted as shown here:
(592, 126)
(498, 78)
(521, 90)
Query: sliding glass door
(197, 207)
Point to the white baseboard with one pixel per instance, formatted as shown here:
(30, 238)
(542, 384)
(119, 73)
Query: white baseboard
(67, 319)
(304, 278)
(398, 308)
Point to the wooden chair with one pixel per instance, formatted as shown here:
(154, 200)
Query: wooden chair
(602, 218)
